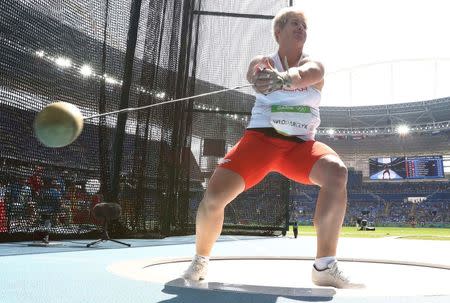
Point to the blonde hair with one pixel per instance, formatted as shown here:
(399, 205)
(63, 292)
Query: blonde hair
(281, 18)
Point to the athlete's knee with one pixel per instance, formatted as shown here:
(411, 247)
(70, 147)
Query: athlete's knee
(212, 204)
(223, 187)
(215, 200)
(336, 175)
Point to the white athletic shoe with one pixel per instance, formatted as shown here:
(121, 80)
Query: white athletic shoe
(197, 270)
(332, 276)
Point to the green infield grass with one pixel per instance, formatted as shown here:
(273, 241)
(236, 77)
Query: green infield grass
(380, 232)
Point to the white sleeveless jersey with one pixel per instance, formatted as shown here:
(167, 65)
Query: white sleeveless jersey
(292, 112)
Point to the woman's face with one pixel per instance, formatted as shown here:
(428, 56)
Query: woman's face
(294, 31)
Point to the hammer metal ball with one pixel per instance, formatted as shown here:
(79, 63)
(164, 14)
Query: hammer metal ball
(58, 124)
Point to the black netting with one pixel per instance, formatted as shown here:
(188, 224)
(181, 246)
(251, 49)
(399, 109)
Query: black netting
(106, 55)
(46, 44)
(226, 44)
(84, 53)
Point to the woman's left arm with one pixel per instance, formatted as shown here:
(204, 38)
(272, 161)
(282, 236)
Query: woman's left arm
(308, 73)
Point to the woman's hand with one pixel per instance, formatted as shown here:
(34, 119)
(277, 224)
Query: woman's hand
(257, 64)
(267, 79)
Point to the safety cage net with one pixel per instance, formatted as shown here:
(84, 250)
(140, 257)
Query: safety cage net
(105, 55)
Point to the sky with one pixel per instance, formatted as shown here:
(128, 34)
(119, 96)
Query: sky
(381, 51)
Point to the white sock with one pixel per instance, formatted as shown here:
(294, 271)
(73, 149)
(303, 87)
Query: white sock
(201, 258)
(322, 263)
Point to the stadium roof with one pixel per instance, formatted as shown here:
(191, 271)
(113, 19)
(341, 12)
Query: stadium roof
(426, 116)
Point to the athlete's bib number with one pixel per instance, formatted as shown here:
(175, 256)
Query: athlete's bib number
(294, 120)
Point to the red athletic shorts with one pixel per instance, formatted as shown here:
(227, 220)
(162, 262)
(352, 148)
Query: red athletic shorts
(257, 154)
